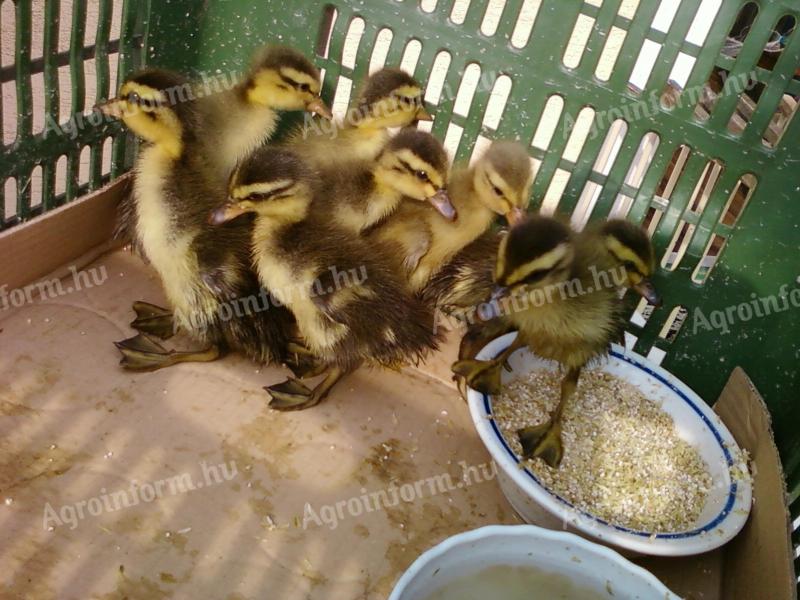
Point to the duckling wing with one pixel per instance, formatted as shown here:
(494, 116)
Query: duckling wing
(336, 290)
(222, 256)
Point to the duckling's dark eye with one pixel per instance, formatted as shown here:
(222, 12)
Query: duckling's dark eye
(405, 100)
(421, 175)
(304, 87)
(629, 266)
(497, 190)
(536, 276)
(133, 98)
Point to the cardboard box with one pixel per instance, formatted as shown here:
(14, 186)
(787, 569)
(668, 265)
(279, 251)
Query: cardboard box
(757, 563)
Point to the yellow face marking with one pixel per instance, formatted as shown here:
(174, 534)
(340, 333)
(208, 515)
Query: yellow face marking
(624, 254)
(412, 91)
(244, 191)
(500, 267)
(145, 92)
(153, 123)
(545, 262)
(301, 78)
(416, 163)
(497, 181)
(391, 111)
(269, 89)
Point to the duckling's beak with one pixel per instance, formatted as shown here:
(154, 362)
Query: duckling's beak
(319, 107)
(441, 202)
(228, 211)
(647, 290)
(423, 115)
(514, 216)
(111, 108)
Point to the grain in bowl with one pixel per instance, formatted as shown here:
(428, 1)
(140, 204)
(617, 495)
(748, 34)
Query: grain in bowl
(624, 461)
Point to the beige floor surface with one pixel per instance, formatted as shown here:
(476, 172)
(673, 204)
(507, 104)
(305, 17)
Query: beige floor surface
(75, 426)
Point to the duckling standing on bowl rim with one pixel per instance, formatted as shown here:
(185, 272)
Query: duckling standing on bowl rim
(547, 282)
(390, 98)
(239, 120)
(411, 169)
(497, 184)
(350, 303)
(201, 267)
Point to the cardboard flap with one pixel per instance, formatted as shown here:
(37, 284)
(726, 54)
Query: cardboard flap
(61, 236)
(757, 562)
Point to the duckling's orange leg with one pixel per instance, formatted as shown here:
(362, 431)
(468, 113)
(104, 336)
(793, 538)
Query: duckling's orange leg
(484, 375)
(544, 441)
(153, 320)
(143, 353)
(294, 395)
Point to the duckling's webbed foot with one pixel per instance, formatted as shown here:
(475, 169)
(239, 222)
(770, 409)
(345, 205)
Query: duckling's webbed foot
(484, 375)
(290, 395)
(143, 353)
(543, 441)
(294, 395)
(480, 375)
(153, 320)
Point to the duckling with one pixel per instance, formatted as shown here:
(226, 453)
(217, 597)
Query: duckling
(234, 122)
(497, 184)
(546, 280)
(362, 194)
(350, 304)
(201, 267)
(467, 279)
(239, 120)
(630, 249)
(390, 98)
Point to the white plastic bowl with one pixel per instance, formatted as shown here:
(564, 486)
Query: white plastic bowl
(728, 503)
(587, 564)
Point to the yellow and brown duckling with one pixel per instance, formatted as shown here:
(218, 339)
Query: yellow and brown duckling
(201, 267)
(546, 286)
(466, 280)
(412, 168)
(498, 184)
(462, 287)
(390, 98)
(239, 120)
(350, 304)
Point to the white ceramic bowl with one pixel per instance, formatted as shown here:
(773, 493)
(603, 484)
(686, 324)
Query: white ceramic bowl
(587, 564)
(728, 503)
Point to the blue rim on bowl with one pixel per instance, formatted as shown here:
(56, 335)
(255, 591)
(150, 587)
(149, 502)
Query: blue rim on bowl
(727, 523)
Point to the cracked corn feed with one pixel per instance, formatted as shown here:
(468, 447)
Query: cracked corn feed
(623, 460)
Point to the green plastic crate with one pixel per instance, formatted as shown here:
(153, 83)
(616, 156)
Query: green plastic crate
(761, 250)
